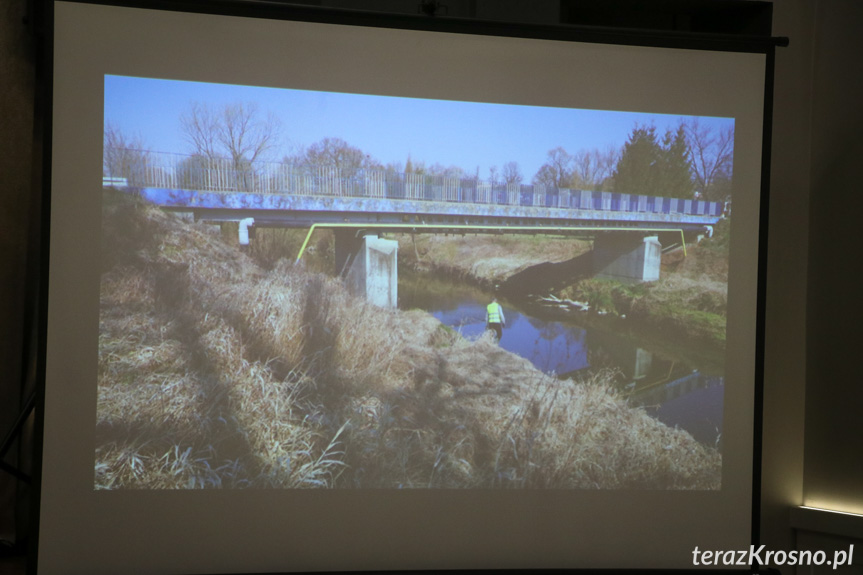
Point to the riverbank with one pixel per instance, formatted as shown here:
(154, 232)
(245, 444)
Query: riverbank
(216, 373)
(689, 301)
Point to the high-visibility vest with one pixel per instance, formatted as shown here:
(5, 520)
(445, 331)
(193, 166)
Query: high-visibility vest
(493, 311)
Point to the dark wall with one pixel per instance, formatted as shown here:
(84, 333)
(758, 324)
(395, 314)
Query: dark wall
(16, 130)
(785, 345)
(834, 391)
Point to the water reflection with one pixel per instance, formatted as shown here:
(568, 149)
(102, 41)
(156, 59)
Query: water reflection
(693, 402)
(550, 346)
(676, 392)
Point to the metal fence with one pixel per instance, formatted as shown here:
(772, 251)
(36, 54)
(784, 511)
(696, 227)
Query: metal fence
(176, 171)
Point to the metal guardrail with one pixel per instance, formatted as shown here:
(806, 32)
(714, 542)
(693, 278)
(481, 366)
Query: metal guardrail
(141, 168)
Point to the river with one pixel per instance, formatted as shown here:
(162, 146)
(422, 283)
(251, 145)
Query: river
(678, 382)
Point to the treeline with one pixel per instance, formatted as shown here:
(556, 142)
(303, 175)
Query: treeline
(694, 160)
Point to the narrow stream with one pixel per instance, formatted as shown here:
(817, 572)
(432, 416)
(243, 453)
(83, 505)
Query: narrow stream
(681, 384)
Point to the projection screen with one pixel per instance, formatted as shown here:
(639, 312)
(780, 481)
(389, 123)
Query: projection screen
(271, 338)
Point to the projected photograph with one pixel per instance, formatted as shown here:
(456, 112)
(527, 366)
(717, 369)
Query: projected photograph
(308, 289)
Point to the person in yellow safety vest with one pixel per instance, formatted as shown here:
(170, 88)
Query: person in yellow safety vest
(494, 319)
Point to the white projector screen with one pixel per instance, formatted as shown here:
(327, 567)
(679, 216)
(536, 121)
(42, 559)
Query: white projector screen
(143, 471)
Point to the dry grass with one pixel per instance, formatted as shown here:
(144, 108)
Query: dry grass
(269, 246)
(702, 293)
(214, 373)
(487, 418)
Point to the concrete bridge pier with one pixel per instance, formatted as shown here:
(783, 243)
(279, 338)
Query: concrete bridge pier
(369, 265)
(627, 257)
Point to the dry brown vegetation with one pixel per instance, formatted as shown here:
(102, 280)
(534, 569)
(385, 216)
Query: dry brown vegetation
(214, 373)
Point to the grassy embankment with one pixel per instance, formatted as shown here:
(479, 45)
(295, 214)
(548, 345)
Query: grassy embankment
(688, 301)
(216, 373)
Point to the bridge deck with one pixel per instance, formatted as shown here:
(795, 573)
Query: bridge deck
(284, 210)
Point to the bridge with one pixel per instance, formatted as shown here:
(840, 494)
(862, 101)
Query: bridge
(359, 205)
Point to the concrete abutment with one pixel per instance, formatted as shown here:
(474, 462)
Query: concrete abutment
(627, 257)
(369, 265)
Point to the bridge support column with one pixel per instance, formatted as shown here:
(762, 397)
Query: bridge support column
(370, 267)
(627, 257)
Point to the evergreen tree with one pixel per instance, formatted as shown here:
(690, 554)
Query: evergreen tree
(649, 168)
(638, 166)
(676, 168)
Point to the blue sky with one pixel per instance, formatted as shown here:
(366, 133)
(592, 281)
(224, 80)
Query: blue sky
(464, 134)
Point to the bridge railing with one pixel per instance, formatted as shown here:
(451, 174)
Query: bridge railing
(143, 168)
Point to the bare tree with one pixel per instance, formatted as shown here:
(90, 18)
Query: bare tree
(337, 154)
(124, 156)
(438, 169)
(593, 168)
(493, 175)
(712, 156)
(607, 160)
(200, 127)
(557, 171)
(415, 166)
(244, 134)
(238, 133)
(512, 173)
(394, 168)
(295, 156)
